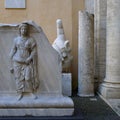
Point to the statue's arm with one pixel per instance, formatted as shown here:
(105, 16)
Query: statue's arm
(13, 50)
(33, 52)
(33, 57)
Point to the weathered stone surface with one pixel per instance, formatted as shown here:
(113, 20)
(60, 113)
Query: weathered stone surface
(49, 93)
(15, 4)
(110, 88)
(86, 55)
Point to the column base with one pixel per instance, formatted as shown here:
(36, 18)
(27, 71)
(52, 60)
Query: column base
(110, 90)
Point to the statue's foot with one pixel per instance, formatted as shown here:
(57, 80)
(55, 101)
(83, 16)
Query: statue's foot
(20, 96)
(34, 96)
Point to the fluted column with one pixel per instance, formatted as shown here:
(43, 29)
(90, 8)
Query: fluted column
(110, 88)
(86, 55)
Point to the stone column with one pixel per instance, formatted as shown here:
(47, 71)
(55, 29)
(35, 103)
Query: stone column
(100, 13)
(110, 88)
(86, 55)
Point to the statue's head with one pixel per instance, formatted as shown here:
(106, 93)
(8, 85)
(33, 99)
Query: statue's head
(24, 29)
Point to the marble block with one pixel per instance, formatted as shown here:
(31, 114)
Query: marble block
(15, 4)
(47, 98)
(67, 84)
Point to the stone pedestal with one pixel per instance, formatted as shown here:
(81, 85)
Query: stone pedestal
(67, 84)
(44, 105)
(110, 88)
(86, 55)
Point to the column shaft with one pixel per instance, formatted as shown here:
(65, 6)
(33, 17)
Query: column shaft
(86, 54)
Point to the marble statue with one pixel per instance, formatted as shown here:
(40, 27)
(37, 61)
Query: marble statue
(62, 46)
(24, 56)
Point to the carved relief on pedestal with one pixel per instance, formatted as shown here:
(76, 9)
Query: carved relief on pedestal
(24, 60)
(31, 60)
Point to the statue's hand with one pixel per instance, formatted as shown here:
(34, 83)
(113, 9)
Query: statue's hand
(11, 70)
(28, 60)
(36, 85)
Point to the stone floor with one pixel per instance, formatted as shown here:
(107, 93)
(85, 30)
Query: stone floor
(115, 105)
(94, 108)
(90, 108)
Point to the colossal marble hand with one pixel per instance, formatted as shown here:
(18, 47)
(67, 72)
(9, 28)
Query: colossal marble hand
(62, 46)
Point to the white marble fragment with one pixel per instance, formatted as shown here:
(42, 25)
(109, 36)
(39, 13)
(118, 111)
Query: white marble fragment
(62, 46)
